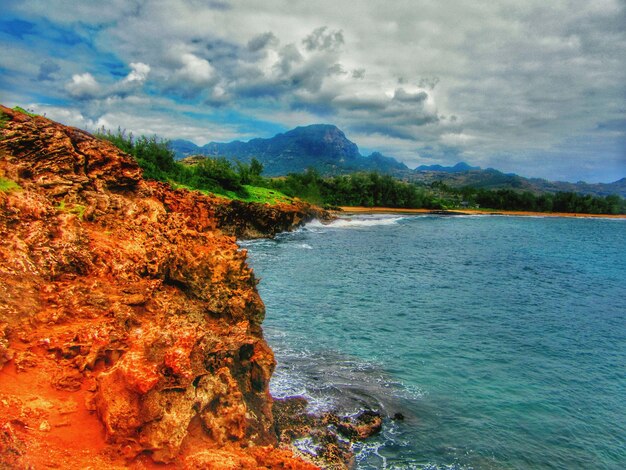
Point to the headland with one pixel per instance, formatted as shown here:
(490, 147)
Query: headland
(130, 322)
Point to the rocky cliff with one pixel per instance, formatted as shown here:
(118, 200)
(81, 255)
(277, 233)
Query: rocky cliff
(130, 324)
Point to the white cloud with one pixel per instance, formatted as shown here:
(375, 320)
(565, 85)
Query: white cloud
(196, 70)
(83, 86)
(518, 76)
(139, 72)
(454, 139)
(159, 123)
(67, 115)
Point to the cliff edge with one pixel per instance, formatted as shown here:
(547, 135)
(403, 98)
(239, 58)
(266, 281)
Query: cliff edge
(130, 323)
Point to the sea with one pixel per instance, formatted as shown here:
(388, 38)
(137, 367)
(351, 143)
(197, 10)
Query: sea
(496, 342)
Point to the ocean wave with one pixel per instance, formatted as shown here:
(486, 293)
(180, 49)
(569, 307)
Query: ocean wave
(332, 381)
(335, 382)
(306, 445)
(304, 246)
(355, 222)
(258, 242)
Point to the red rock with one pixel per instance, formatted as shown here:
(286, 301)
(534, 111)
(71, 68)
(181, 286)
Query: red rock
(131, 301)
(365, 424)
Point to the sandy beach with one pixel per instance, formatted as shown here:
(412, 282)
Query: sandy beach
(392, 210)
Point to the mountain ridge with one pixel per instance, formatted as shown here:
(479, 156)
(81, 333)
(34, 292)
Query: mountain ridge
(322, 146)
(326, 148)
(461, 166)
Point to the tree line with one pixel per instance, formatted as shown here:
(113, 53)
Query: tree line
(569, 202)
(157, 160)
(368, 189)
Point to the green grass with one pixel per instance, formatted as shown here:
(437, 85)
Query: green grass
(254, 194)
(264, 195)
(22, 110)
(77, 209)
(7, 185)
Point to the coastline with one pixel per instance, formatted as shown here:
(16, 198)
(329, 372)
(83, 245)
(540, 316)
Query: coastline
(407, 291)
(394, 210)
(130, 322)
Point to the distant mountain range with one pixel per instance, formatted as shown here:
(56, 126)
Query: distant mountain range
(326, 148)
(458, 168)
(320, 146)
(493, 179)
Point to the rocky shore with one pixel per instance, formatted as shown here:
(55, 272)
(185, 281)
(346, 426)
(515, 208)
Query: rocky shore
(130, 323)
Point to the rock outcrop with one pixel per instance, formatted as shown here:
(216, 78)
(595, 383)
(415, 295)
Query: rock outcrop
(130, 323)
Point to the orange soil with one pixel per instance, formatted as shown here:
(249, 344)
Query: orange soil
(45, 425)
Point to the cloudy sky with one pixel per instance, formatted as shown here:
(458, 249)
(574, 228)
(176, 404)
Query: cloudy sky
(535, 87)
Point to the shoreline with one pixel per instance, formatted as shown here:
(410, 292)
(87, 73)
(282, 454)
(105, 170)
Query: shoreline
(94, 370)
(394, 210)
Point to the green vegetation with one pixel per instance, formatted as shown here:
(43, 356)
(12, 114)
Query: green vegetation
(260, 194)
(210, 175)
(22, 110)
(509, 199)
(244, 181)
(358, 189)
(7, 185)
(77, 209)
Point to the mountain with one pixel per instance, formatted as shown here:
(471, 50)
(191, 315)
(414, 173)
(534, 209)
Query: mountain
(385, 164)
(458, 168)
(598, 189)
(327, 149)
(491, 178)
(184, 147)
(321, 146)
(487, 179)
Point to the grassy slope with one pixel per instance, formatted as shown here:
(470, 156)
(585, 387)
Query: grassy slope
(7, 185)
(255, 194)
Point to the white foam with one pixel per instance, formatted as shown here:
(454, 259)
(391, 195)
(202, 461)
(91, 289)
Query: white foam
(368, 450)
(255, 243)
(354, 222)
(315, 223)
(306, 445)
(304, 246)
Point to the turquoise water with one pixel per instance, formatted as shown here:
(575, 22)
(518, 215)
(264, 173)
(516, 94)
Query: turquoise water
(502, 340)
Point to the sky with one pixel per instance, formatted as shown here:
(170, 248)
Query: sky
(537, 87)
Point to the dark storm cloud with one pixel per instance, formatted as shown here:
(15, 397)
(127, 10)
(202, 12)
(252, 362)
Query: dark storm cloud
(336, 69)
(262, 41)
(289, 55)
(358, 73)
(370, 104)
(47, 69)
(323, 40)
(383, 129)
(430, 82)
(404, 97)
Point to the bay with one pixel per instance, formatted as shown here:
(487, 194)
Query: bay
(501, 340)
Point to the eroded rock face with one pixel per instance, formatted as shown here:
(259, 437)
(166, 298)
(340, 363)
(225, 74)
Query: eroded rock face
(125, 298)
(251, 220)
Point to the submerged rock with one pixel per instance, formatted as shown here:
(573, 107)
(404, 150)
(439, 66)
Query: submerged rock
(330, 434)
(365, 424)
(133, 302)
